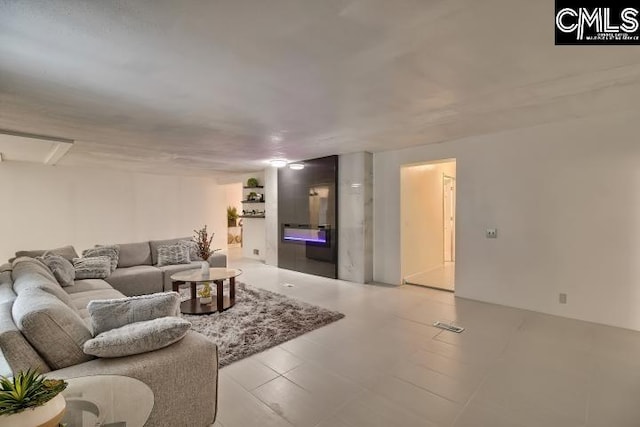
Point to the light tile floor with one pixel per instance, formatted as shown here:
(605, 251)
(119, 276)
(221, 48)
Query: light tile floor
(442, 277)
(385, 365)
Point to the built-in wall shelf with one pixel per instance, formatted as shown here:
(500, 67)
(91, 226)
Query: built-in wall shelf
(253, 196)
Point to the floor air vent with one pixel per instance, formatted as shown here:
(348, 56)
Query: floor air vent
(448, 327)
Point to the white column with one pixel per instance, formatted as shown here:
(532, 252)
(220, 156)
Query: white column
(271, 215)
(355, 217)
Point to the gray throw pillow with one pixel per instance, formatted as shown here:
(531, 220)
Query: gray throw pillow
(67, 252)
(98, 267)
(110, 314)
(194, 253)
(112, 251)
(139, 337)
(173, 254)
(61, 268)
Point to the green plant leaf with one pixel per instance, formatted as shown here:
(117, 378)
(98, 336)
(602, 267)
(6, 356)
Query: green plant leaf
(27, 390)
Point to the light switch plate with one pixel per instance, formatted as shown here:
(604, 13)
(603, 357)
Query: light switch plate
(492, 233)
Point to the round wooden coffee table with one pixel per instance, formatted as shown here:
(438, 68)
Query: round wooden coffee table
(217, 276)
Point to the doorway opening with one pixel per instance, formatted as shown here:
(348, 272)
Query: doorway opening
(428, 224)
(234, 197)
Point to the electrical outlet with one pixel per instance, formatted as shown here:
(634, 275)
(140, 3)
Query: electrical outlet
(256, 251)
(492, 233)
(562, 298)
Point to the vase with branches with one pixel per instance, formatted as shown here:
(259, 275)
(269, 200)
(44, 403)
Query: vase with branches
(203, 241)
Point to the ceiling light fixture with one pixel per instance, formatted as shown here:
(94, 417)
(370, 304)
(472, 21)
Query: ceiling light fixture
(278, 163)
(296, 166)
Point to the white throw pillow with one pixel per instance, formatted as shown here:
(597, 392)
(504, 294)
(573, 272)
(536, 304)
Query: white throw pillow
(139, 337)
(109, 314)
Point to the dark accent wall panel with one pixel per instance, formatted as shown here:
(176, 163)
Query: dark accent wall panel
(308, 209)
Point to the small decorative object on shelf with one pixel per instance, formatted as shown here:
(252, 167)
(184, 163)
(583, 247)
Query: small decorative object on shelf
(252, 182)
(254, 213)
(29, 399)
(203, 240)
(253, 196)
(205, 293)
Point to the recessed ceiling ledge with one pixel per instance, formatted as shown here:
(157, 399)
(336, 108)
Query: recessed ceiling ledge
(33, 148)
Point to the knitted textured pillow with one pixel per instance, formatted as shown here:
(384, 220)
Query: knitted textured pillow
(98, 267)
(112, 251)
(173, 254)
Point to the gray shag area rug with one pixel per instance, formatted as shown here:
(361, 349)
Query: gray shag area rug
(259, 320)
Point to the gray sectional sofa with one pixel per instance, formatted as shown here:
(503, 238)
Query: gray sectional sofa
(138, 273)
(182, 376)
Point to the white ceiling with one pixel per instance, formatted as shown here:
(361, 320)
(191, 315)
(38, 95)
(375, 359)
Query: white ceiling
(197, 86)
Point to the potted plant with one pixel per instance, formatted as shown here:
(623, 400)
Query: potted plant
(252, 182)
(29, 399)
(205, 293)
(252, 196)
(232, 216)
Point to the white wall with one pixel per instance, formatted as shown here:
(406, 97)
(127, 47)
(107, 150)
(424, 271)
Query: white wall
(45, 207)
(422, 216)
(566, 200)
(253, 238)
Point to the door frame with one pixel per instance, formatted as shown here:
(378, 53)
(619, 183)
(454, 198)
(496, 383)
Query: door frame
(403, 272)
(452, 249)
